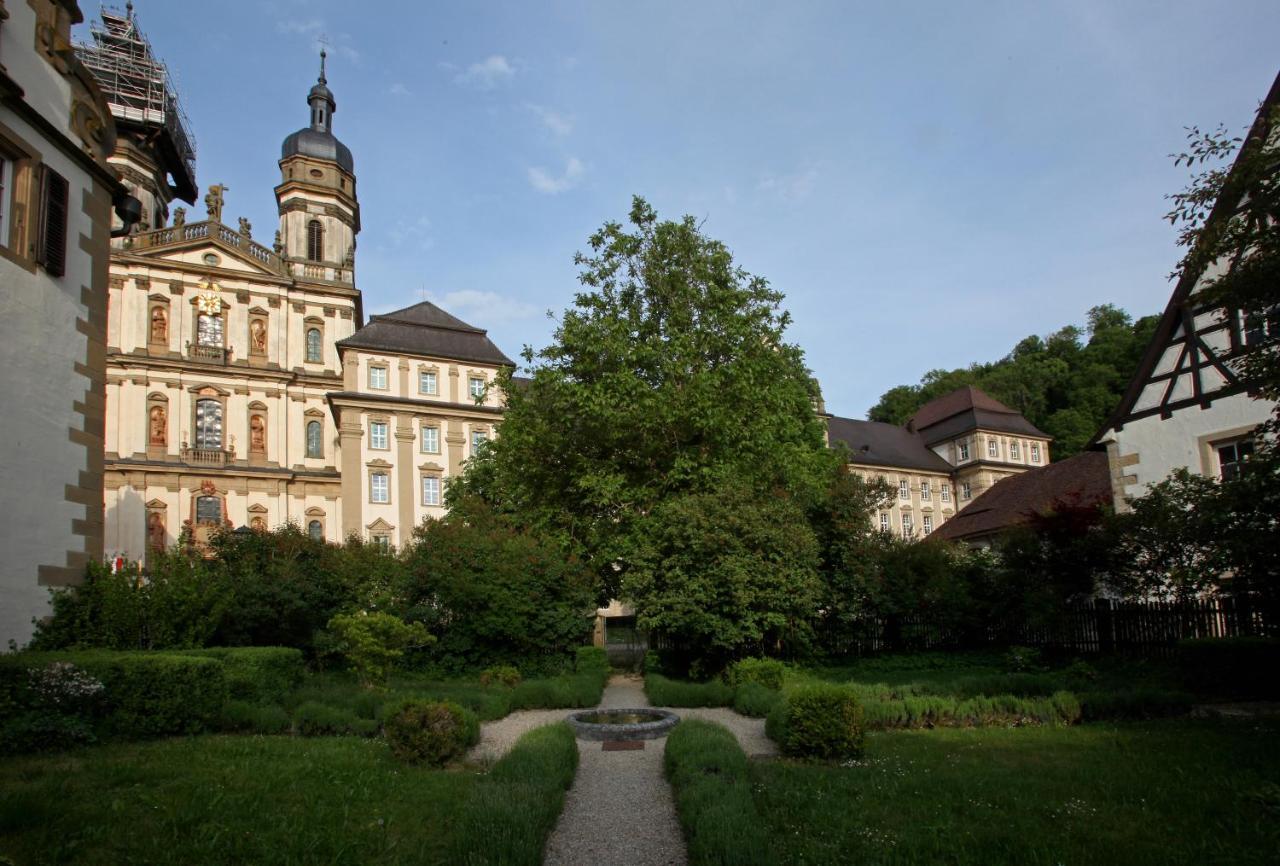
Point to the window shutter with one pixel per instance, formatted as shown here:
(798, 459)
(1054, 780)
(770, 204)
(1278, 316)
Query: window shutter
(53, 222)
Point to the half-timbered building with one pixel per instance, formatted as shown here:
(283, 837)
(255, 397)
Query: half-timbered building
(1186, 407)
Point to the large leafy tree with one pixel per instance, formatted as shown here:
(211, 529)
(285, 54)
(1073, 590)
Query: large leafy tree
(669, 375)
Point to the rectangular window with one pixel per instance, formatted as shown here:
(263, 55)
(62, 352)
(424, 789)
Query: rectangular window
(964, 450)
(907, 529)
(904, 489)
(430, 440)
(884, 521)
(52, 248)
(1035, 452)
(382, 543)
(430, 490)
(379, 488)
(927, 523)
(966, 490)
(925, 493)
(1015, 453)
(426, 383)
(378, 378)
(478, 438)
(1232, 457)
(378, 434)
(993, 448)
(477, 387)
(946, 493)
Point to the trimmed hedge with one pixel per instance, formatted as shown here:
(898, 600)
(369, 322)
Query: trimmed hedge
(665, 692)
(822, 722)
(264, 674)
(1233, 667)
(509, 814)
(709, 776)
(930, 711)
(247, 718)
(753, 699)
(430, 732)
(144, 694)
(767, 672)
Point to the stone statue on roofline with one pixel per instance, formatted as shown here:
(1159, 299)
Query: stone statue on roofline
(213, 201)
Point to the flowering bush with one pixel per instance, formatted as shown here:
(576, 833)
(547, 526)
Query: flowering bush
(63, 686)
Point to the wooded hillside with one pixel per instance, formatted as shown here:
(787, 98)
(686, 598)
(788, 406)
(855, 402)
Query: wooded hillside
(1066, 383)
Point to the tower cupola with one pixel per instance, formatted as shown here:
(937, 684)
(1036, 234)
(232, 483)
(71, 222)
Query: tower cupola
(318, 140)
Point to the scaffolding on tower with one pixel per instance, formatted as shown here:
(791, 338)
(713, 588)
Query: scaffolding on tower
(140, 92)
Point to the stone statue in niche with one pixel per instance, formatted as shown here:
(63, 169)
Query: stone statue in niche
(257, 434)
(159, 325)
(246, 228)
(158, 434)
(213, 201)
(258, 337)
(157, 538)
(258, 524)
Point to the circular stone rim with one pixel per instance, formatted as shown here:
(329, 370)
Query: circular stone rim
(663, 721)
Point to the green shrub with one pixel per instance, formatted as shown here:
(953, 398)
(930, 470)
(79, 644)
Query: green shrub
(1235, 667)
(374, 642)
(511, 812)
(1023, 685)
(930, 711)
(664, 692)
(822, 722)
(246, 717)
(767, 672)
(753, 699)
(1022, 659)
(430, 732)
(500, 675)
(263, 674)
(1139, 702)
(314, 719)
(652, 663)
(562, 692)
(144, 694)
(709, 777)
(591, 660)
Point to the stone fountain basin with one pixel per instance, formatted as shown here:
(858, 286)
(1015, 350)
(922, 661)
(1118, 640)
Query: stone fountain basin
(639, 723)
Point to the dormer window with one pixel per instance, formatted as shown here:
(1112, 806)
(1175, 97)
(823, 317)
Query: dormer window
(315, 241)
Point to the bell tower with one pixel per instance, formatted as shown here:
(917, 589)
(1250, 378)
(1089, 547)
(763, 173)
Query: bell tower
(319, 212)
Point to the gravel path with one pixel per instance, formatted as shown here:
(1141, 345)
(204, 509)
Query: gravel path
(619, 811)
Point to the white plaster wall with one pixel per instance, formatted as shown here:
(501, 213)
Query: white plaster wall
(1163, 445)
(39, 346)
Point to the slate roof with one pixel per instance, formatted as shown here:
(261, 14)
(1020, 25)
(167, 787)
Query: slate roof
(876, 444)
(1082, 480)
(965, 409)
(425, 329)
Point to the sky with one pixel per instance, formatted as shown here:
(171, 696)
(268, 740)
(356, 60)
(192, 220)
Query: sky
(926, 182)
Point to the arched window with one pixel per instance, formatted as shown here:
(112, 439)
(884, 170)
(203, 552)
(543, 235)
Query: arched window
(315, 530)
(315, 446)
(314, 348)
(208, 423)
(315, 241)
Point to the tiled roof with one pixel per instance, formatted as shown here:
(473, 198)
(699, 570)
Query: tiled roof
(966, 409)
(875, 444)
(425, 329)
(1082, 480)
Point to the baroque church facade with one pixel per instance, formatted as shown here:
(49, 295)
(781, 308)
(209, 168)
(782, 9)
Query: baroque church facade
(243, 387)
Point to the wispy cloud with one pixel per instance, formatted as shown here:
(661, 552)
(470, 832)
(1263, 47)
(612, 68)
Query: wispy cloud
(416, 233)
(314, 30)
(489, 307)
(488, 73)
(558, 123)
(789, 187)
(551, 185)
(398, 89)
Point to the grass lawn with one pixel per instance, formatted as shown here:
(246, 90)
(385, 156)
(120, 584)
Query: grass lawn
(222, 800)
(1164, 792)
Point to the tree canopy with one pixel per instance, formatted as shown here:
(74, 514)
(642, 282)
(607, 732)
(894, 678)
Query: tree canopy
(669, 375)
(1063, 383)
